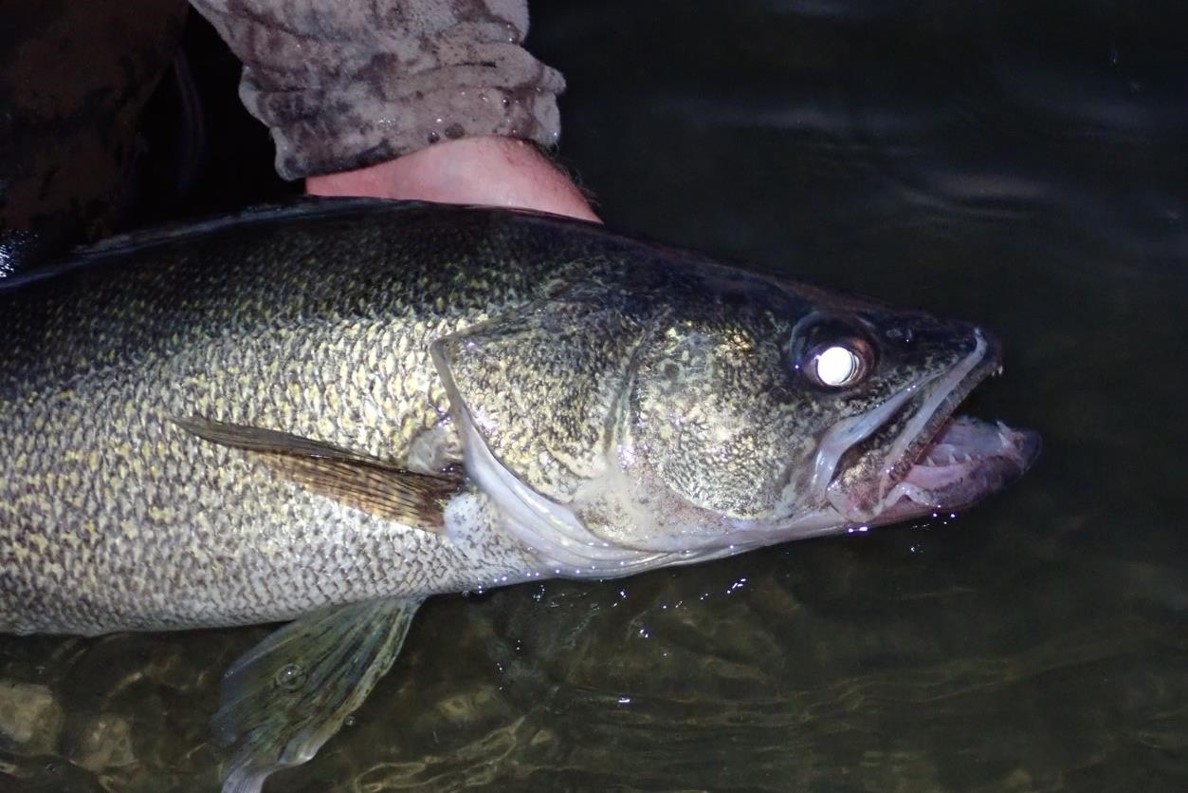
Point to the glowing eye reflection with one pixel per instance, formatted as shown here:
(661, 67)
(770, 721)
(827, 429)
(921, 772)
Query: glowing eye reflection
(832, 353)
(837, 366)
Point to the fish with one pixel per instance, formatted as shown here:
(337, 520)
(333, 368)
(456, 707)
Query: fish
(323, 414)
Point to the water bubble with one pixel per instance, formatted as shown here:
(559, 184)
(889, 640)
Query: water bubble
(291, 677)
(737, 585)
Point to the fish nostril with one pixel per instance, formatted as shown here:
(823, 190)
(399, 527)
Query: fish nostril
(900, 334)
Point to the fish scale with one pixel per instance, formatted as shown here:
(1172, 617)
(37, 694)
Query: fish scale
(254, 548)
(328, 412)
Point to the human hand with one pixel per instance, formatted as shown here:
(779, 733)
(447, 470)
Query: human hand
(494, 171)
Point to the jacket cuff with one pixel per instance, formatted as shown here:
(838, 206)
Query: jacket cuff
(347, 85)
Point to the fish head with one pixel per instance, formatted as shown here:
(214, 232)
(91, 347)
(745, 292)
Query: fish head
(788, 412)
(721, 413)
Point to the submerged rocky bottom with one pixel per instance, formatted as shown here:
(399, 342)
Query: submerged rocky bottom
(832, 665)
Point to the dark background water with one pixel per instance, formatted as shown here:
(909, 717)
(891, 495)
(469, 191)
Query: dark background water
(1021, 165)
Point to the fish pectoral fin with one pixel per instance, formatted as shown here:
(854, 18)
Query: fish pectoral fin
(292, 692)
(264, 441)
(356, 480)
(417, 500)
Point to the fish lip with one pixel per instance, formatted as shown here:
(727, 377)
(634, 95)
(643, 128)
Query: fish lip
(952, 389)
(895, 496)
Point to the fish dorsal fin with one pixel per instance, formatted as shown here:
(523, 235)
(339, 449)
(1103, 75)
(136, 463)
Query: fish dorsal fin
(356, 480)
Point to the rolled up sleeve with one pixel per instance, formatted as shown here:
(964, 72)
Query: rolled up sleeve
(347, 84)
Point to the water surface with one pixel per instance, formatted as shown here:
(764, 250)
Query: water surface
(1026, 169)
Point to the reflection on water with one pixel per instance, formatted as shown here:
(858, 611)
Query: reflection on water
(1019, 168)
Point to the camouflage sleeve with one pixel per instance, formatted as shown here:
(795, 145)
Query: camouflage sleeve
(344, 84)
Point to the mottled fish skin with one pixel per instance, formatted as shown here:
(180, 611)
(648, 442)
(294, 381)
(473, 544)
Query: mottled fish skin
(616, 406)
(111, 517)
(327, 413)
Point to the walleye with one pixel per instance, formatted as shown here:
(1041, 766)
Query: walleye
(327, 413)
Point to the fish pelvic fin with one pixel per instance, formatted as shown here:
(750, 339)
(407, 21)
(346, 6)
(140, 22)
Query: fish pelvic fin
(292, 692)
(357, 480)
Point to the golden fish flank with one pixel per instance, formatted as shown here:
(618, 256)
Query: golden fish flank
(328, 413)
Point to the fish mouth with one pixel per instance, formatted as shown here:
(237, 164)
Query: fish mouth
(913, 457)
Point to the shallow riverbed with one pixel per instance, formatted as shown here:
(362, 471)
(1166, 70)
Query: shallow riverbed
(1026, 170)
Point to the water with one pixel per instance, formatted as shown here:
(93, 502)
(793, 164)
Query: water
(1023, 168)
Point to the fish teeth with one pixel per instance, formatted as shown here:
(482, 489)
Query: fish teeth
(943, 455)
(1004, 436)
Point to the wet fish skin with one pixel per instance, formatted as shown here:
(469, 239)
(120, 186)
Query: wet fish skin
(328, 413)
(112, 518)
(319, 322)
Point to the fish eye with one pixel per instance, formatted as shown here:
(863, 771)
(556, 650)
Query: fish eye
(832, 355)
(836, 366)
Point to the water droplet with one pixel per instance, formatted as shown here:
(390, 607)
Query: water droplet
(290, 677)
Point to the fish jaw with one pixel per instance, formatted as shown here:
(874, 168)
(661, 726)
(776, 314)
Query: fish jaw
(936, 461)
(967, 460)
(901, 458)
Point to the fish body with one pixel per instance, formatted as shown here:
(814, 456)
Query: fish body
(112, 517)
(329, 412)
